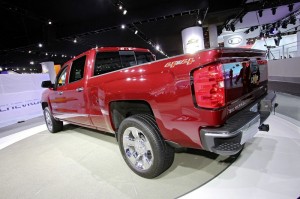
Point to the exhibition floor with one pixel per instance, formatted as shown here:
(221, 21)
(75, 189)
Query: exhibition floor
(82, 163)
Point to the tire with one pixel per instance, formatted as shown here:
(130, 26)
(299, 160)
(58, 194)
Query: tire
(53, 125)
(142, 147)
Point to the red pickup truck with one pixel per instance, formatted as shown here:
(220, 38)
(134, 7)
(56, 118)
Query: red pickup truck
(215, 100)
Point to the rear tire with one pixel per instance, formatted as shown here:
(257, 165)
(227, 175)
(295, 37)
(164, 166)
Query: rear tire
(142, 147)
(53, 125)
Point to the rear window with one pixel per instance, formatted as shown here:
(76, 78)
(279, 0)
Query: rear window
(110, 61)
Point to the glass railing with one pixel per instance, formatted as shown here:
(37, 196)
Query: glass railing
(283, 52)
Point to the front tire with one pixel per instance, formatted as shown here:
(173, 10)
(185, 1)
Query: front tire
(53, 125)
(142, 147)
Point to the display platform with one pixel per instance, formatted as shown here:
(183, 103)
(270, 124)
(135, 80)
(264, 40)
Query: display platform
(82, 163)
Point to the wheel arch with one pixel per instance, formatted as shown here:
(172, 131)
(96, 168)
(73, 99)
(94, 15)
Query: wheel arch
(121, 109)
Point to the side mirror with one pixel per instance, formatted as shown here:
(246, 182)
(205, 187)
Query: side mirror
(47, 84)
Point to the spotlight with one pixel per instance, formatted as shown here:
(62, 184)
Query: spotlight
(123, 26)
(261, 34)
(157, 47)
(75, 40)
(293, 20)
(120, 7)
(291, 7)
(252, 29)
(284, 25)
(49, 22)
(260, 13)
(31, 63)
(29, 51)
(40, 45)
(46, 54)
(199, 22)
(136, 32)
(241, 20)
(232, 27)
(273, 11)
(247, 31)
(124, 12)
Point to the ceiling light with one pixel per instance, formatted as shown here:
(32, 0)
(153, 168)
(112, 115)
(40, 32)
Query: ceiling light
(136, 32)
(199, 22)
(23, 68)
(55, 55)
(260, 13)
(120, 7)
(31, 62)
(291, 7)
(75, 40)
(273, 11)
(40, 45)
(241, 20)
(29, 51)
(123, 26)
(49, 22)
(46, 54)
(157, 47)
(124, 12)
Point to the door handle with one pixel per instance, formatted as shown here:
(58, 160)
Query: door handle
(60, 92)
(80, 89)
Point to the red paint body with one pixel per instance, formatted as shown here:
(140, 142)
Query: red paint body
(165, 85)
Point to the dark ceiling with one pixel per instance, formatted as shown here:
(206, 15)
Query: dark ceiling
(93, 23)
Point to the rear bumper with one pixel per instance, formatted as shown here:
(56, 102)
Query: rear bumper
(238, 129)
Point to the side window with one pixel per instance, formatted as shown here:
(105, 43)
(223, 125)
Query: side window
(61, 80)
(127, 58)
(77, 69)
(107, 62)
(143, 57)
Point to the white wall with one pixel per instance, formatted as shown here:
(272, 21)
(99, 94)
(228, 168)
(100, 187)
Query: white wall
(285, 70)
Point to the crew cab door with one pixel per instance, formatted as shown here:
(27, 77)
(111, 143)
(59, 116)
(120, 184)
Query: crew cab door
(57, 100)
(73, 100)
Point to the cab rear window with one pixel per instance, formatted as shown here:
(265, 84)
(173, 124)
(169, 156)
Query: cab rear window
(110, 61)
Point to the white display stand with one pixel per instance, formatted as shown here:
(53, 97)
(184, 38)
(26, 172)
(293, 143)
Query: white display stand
(20, 97)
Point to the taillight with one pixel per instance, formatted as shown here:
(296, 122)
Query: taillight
(209, 86)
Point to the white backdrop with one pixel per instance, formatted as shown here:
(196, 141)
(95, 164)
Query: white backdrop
(20, 97)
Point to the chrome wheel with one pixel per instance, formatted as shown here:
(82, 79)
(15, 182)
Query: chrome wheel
(48, 121)
(137, 148)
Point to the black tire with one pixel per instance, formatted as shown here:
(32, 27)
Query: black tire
(52, 124)
(146, 153)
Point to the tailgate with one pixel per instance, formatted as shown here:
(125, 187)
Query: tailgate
(245, 77)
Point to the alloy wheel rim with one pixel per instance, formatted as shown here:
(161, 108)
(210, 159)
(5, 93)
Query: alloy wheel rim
(137, 148)
(48, 121)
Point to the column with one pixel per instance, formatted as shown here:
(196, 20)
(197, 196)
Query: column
(192, 39)
(213, 36)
